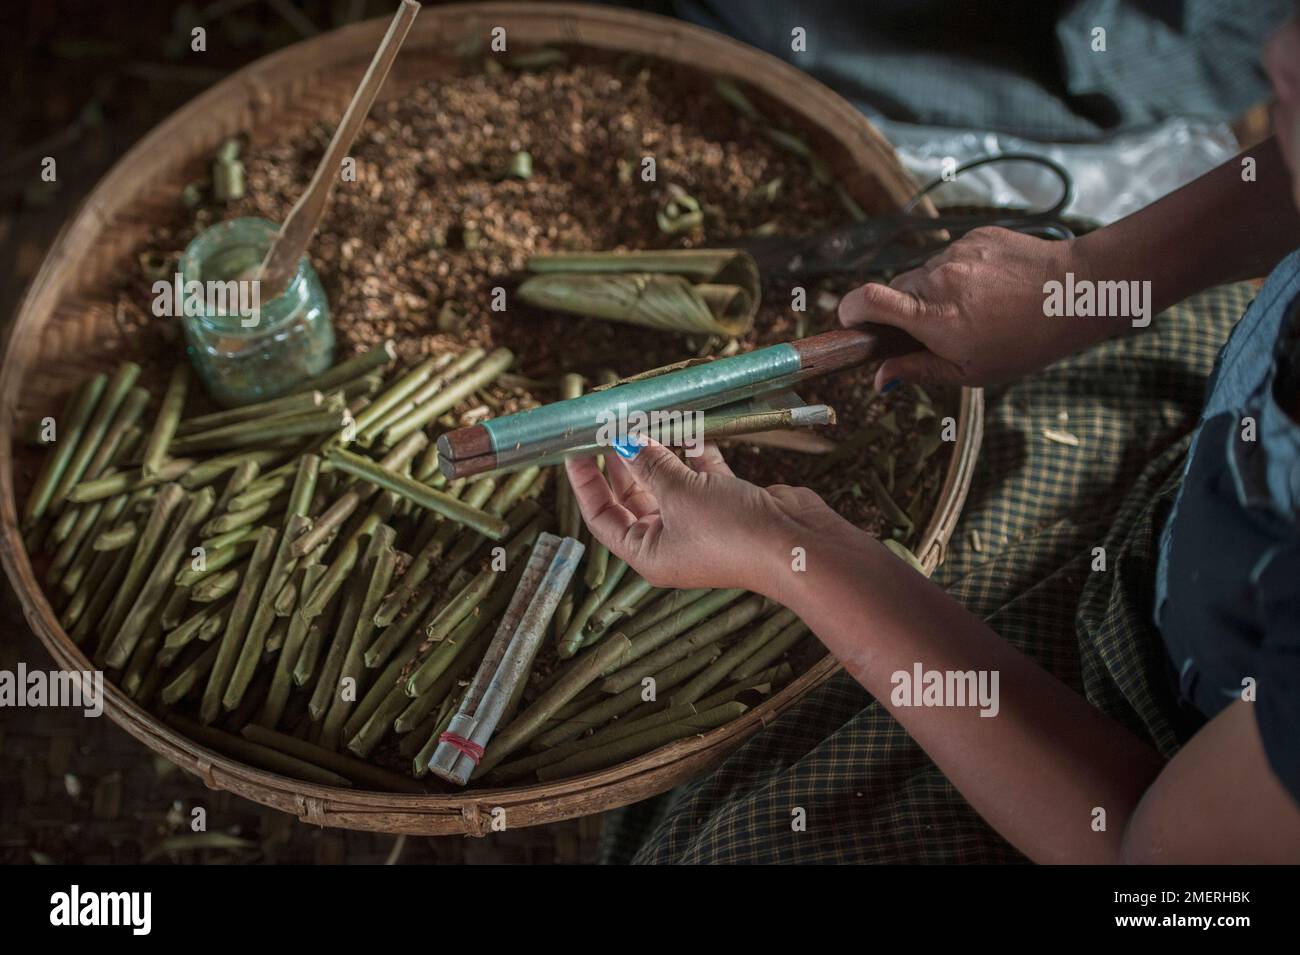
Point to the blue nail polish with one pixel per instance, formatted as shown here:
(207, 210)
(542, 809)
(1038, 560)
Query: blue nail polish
(627, 450)
(890, 385)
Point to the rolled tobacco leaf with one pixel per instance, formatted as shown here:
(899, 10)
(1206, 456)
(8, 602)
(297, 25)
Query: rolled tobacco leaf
(169, 416)
(694, 291)
(69, 427)
(422, 494)
(598, 757)
(116, 392)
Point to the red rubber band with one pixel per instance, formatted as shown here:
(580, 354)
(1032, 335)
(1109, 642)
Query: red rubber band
(467, 746)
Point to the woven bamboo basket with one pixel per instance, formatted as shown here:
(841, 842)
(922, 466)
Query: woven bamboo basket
(65, 331)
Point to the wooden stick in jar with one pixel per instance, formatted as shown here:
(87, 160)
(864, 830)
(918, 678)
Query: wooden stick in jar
(282, 257)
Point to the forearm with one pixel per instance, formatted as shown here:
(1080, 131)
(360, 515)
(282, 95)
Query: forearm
(1035, 771)
(1216, 229)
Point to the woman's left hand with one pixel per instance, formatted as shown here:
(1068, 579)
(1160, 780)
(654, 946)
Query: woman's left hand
(696, 524)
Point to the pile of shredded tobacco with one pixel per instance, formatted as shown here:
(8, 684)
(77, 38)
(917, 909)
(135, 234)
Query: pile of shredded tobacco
(439, 216)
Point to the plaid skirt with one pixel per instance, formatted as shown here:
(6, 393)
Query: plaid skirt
(1021, 558)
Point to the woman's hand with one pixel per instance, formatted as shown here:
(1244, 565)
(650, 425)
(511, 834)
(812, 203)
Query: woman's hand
(978, 307)
(696, 524)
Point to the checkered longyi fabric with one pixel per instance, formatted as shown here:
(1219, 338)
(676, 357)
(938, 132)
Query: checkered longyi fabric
(1037, 508)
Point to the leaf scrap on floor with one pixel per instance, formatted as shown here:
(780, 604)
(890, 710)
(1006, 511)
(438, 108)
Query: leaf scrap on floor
(1061, 437)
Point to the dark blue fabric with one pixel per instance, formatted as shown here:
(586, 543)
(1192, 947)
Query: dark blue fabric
(1026, 67)
(1228, 586)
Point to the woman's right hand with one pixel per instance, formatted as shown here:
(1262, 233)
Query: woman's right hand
(979, 308)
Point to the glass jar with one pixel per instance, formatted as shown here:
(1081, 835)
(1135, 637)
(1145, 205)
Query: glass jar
(247, 350)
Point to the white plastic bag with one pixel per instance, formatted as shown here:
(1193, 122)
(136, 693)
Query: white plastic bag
(1111, 178)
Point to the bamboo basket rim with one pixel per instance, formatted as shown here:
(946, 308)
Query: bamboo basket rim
(237, 101)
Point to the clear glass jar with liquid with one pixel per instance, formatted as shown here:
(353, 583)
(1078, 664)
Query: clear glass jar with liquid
(247, 350)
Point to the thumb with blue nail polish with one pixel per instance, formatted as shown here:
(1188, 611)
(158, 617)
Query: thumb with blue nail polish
(654, 466)
(629, 447)
(693, 523)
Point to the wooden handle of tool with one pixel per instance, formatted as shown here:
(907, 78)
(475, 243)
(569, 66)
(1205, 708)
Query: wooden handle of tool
(835, 351)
